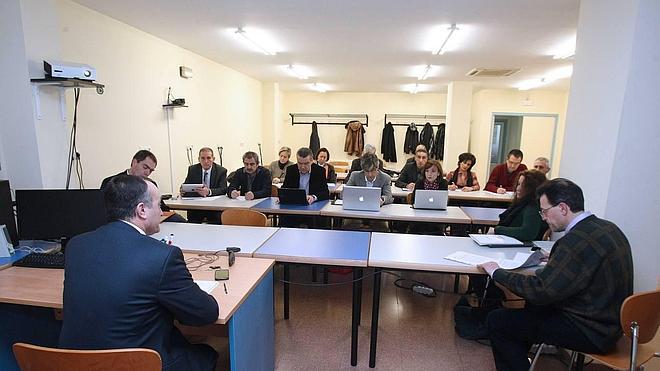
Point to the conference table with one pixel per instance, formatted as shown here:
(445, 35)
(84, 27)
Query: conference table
(322, 247)
(246, 309)
(421, 253)
(458, 195)
(482, 216)
(213, 203)
(213, 238)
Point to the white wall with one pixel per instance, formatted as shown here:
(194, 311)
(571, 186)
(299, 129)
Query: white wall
(18, 145)
(376, 105)
(612, 131)
(486, 102)
(137, 69)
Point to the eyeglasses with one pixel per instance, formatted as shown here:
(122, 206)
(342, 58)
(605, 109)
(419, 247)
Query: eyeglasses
(542, 212)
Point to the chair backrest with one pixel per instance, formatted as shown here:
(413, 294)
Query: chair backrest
(36, 358)
(409, 197)
(643, 308)
(338, 163)
(243, 217)
(273, 190)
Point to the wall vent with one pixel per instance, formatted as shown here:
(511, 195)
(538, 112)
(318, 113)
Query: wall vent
(492, 72)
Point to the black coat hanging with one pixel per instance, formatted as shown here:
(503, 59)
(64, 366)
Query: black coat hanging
(387, 143)
(412, 139)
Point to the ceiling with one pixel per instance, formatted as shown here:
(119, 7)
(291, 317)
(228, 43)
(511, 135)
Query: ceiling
(365, 45)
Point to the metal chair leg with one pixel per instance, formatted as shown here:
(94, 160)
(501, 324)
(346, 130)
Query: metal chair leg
(536, 356)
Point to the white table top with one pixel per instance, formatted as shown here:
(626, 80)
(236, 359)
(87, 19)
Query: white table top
(460, 195)
(427, 253)
(211, 238)
(213, 203)
(402, 212)
(317, 246)
(483, 215)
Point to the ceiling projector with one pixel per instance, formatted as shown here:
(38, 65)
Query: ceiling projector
(69, 70)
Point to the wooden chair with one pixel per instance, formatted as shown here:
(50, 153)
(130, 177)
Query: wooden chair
(640, 318)
(409, 199)
(338, 163)
(244, 217)
(36, 358)
(273, 190)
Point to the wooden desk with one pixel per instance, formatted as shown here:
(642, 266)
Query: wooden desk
(322, 247)
(247, 309)
(213, 203)
(205, 238)
(424, 253)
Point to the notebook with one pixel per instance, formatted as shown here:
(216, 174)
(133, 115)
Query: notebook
(496, 240)
(292, 196)
(431, 199)
(361, 198)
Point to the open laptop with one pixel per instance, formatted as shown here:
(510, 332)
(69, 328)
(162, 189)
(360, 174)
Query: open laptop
(361, 198)
(431, 199)
(292, 196)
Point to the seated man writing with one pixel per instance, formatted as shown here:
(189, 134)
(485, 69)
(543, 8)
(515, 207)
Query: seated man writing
(252, 181)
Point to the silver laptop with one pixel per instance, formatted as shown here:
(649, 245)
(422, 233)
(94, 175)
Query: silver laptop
(431, 199)
(361, 198)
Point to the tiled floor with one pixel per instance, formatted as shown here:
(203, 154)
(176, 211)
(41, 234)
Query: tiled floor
(415, 332)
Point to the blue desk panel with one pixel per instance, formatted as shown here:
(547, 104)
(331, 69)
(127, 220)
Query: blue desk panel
(271, 205)
(315, 246)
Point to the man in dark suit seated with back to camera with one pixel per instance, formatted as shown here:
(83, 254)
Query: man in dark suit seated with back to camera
(124, 289)
(213, 178)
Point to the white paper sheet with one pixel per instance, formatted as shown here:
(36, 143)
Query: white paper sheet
(520, 260)
(207, 286)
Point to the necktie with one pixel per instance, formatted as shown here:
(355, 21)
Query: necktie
(206, 179)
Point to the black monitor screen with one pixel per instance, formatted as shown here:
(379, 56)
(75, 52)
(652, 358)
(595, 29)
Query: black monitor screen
(56, 213)
(7, 211)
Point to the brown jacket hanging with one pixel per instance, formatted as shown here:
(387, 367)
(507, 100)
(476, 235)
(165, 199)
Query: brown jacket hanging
(354, 138)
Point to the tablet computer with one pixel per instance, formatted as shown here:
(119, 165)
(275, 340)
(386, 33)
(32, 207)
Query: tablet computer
(189, 187)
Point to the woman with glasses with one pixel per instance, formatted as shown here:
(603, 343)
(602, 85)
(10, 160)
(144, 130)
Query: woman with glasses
(522, 220)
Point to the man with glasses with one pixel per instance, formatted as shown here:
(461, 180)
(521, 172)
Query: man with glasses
(213, 179)
(252, 181)
(503, 177)
(143, 164)
(575, 300)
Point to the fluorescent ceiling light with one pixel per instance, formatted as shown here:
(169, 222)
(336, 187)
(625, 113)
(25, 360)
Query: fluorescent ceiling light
(424, 73)
(321, 88)
(551, 76)
(297, 71)
(443, 47)
(249, 40)
(414, 89)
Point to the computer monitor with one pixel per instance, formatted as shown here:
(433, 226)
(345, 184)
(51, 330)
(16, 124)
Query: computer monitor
(45, 214)
(7, 211)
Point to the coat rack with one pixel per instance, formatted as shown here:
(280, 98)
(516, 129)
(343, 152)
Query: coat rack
(328, 118)
(408, 118)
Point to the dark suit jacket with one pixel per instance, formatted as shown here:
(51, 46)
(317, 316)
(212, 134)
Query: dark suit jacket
(409, 174)
(123, 289)
(218, 181)
(318, 185)
(125, 172)
(261, 185)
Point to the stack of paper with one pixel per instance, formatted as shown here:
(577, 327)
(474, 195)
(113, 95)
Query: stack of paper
(207, 286)
(520, 260)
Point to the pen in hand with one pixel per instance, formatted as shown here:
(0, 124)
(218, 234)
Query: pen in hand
(225, 286)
